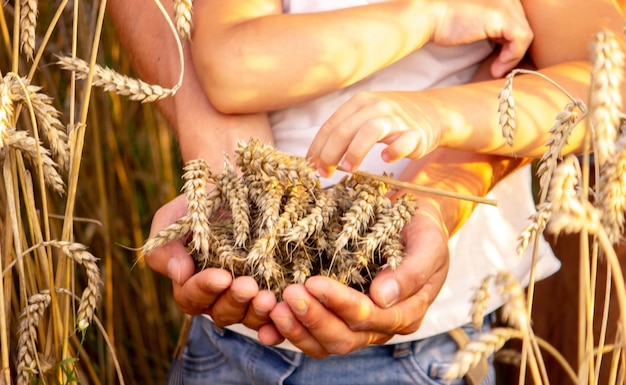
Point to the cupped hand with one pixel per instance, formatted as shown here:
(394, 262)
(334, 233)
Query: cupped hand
(211, 291)
(325, 317)
(504, 22)
(409, 127)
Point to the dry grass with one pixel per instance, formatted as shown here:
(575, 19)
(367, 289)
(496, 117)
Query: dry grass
(83, 172)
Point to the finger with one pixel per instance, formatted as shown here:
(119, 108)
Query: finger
(198, 294)
(514, 47)
(367, 119)
(269, 334)
(360, 314)
(171, 259)
(426, 259)
(232, 306)
(327, 129)
(259, 310)
(413, 144)
(289, 327)
(370, 133)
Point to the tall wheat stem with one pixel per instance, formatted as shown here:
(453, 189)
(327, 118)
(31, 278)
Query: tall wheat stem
(77, 140)
(4, 338)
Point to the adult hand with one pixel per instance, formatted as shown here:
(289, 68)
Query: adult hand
(325, 317)
(504, 22)
(409, 127)
(211, 291)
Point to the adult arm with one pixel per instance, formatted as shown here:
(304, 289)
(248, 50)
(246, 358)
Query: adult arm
(464, 117)
(253, 57)
(202, 132)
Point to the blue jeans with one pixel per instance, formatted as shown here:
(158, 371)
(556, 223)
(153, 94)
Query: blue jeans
(222, 357)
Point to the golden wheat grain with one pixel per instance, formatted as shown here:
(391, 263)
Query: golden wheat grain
(257, 157)
(182, 15)
(479, 302)
(514, 310)
(91, 294)
(111, 81)
(506, 109)
(176, 230)
(6, 112)
(235, 192)
(28, 146)
(389, 221)
(317, 219)
(472, 353)
(298, 202)
(196, 175)
(269, 203)
(223, 244)
(611, 192)
(360, 213)
(537, 224)
(47, 116)
(605, 96)
(559, 132)
(28, 21)
(27, 336)
(392, 252)
(570, 212)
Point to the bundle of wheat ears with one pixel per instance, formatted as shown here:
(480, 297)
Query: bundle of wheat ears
(275, 222)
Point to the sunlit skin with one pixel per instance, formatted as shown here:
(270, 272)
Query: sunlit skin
(403, 120)
(326, 51)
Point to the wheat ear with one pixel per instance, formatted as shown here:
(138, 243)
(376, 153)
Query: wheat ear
(47, 116)
(605, 96)
(30, 148)
(27, 361)
(111, 81)
(506, 110)
(470, 355)
(28, 21)
(196, 176)
(182, 15)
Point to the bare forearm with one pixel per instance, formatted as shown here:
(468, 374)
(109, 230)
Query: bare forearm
(202, 131)
(461, 172)
(315, 52)
(469, 117)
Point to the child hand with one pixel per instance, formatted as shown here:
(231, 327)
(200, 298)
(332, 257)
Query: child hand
(405, 125)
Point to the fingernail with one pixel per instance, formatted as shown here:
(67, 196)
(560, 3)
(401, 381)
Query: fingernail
(298, 306)
(285, 323)
(390, 292)
(346, 165)
(240, 298)
(173, 270)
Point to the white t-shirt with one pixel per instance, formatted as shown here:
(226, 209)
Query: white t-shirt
(486, 243)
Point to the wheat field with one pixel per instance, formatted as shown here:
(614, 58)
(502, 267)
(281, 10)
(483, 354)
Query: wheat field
(86, 160)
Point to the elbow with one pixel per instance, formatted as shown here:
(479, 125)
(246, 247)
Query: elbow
(228, 91)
